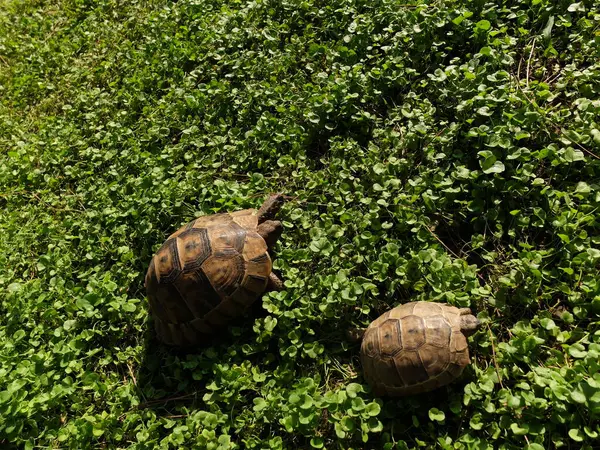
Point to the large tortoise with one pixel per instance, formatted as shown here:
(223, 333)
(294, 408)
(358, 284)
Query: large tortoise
(210, 271)
(416, 347)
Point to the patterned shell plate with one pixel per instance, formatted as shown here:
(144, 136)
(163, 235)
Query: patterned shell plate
(414, 348)
(205, 274)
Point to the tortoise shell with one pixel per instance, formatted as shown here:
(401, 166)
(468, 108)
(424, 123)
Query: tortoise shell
(416, 347)
(205, 274)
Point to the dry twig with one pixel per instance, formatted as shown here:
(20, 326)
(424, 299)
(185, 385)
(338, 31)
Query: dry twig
(529, 61)
(441, 242)
(132, 374)
(494, 356)
(165, 400)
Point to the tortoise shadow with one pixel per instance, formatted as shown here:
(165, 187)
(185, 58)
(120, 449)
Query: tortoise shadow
(169, 378)
(162, 384)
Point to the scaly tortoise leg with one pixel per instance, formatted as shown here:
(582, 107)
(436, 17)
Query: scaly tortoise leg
(274, 283)
(270, 231)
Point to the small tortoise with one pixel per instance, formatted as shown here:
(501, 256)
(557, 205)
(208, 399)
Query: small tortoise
(210, 271)
(416, 347)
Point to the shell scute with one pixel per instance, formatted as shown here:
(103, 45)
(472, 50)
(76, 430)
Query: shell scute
(229, 236)
(197, 296)
(246, 219)
(243, 213)
(424, 309)
(386, 371)
(167, 265)
(370, 344)
(410, 368)
(243, 296)
(255, 283)
(225, 270)
(217, 317)
(255, 247)
(174, 312)
(390, 342)
(435, 359)
(413, 332)
(401, 311)
(437, 331)
(455, 369)
(193, 247)
(181, 230)
(214, 220)
(458, 342)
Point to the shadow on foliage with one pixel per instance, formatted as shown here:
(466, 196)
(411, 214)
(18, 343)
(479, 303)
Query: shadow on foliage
(170, 378)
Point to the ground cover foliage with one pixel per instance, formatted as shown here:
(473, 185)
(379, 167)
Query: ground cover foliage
(442, 151)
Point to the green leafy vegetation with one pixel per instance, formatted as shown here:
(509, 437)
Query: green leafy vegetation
(442, 151)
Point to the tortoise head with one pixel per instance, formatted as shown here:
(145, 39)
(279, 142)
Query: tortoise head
(469, 324)
(270, 207)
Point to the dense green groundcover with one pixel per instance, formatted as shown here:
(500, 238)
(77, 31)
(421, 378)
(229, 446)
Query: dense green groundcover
(443, 151)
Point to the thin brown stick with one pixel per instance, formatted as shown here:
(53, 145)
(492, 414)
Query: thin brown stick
(584, 149)
(165, 400)
(529, 61)
(518, 81)
(494, 356)
(558, 130)
(132, 374)
(8, 194)
(441, 242)
(552, 77)
(37, 197)
(438, 134)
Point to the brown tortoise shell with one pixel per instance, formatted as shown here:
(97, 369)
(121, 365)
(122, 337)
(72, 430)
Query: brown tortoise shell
(205, 274)
(414, 348)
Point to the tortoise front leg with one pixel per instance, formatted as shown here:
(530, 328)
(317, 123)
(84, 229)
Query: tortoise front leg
(274, 283)
(270, 231)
